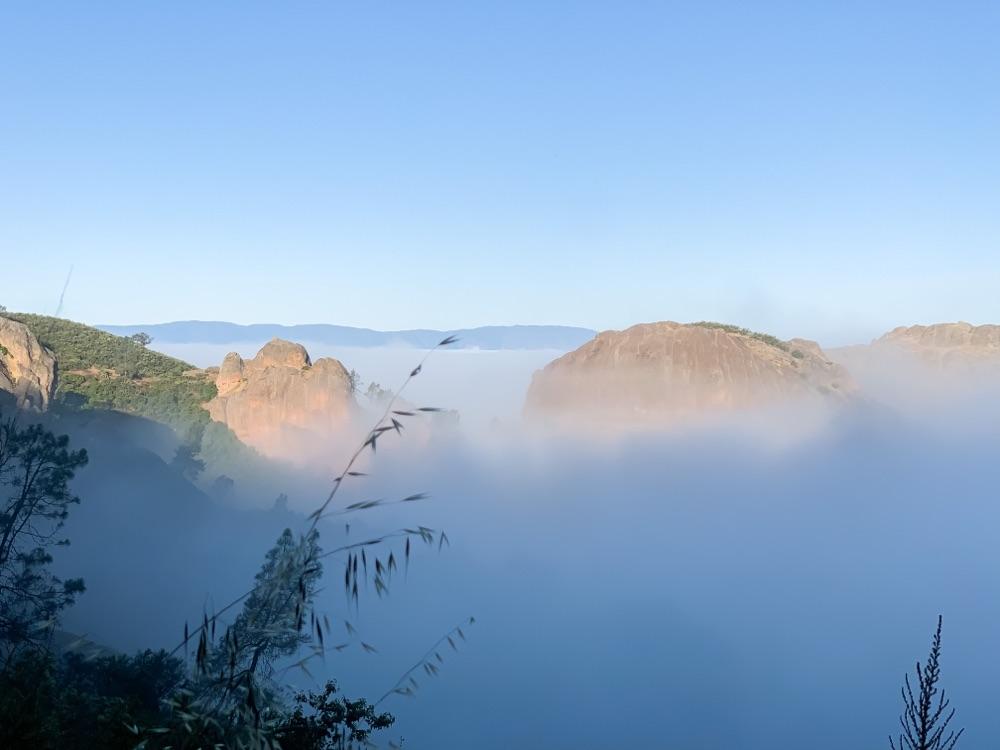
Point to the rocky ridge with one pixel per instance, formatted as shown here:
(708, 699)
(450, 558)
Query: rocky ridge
(664, 371)
(946, 345)
(27, 368)
(281, 402)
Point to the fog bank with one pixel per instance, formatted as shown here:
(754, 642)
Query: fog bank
(699, 588)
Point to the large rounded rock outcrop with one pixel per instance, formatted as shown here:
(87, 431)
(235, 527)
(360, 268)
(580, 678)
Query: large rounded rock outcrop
(281, 403)
(27, 368)
(663, 372)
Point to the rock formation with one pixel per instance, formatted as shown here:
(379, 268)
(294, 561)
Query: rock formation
(662, 372)
(929, 369)
(282, 403)
(947, 345)
(27, 369)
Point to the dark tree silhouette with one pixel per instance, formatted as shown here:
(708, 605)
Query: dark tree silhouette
(925, 718)
(35, 470)
(324, 721)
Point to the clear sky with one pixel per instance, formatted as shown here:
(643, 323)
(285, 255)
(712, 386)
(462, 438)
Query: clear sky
(820, 169)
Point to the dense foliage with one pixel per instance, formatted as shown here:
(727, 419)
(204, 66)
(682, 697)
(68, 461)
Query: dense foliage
(118, 702)
(99, 370)
(83, 702)
(80, 347)
(323, 721)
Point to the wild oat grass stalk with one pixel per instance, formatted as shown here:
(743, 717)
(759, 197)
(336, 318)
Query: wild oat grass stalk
(429, 662)
(233, 677)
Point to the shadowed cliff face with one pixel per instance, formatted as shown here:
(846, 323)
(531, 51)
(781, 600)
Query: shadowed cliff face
(27, 369)
(282, 403)
(659, 373)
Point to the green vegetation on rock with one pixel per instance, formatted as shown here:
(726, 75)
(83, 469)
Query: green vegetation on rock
(102, 371)
(764, 337)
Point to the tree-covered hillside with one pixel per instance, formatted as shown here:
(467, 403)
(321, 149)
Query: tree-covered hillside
(100, 370)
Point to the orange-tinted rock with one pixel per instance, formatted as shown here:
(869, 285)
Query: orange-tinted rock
(661, 372)
(281, 403)
(947, 345)
(27, 369)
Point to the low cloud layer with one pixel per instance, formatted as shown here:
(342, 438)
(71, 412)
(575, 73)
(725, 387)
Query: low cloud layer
(694, 589)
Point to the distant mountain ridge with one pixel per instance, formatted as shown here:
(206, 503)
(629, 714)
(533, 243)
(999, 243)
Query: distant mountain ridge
(484, 337)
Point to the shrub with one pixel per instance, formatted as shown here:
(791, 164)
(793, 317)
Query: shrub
(764, 337)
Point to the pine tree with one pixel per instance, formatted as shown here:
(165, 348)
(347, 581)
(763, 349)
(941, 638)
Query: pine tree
(35, 471)
(271, 624)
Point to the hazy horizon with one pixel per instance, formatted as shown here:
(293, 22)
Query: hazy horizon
(736, 533)
(830, 337)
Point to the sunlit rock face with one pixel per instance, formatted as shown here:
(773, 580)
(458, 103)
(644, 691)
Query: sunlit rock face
(929, 370)
(282, 403)
(27, 369)
(661, 373)
(947, 345)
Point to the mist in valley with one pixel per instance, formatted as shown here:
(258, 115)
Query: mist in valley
(442, 376)
(504, 374)
(711, 587)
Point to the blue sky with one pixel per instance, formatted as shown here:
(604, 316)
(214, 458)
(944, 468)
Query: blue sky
(820, 169)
